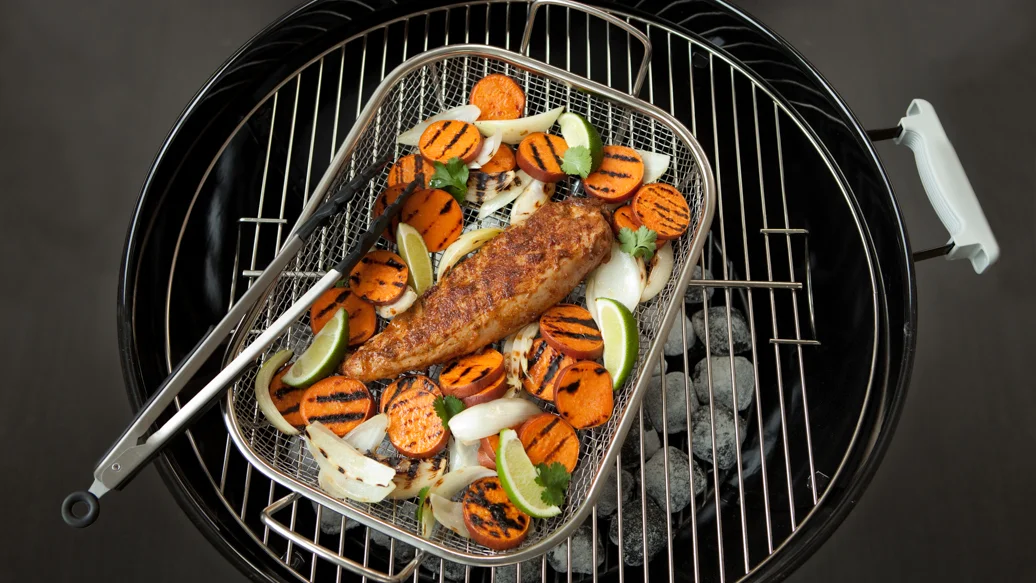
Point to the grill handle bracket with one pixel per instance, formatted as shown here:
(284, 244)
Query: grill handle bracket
(645, 62)
(335, 558)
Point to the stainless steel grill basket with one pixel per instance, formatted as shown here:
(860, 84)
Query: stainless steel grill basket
(423, 86)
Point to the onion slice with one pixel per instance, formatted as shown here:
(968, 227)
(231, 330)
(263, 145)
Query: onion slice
(523, 344)
(484, 187)
(410, 481)
(342, 488)
(453, 482)
(521, 181)
(323, 443)
(449, 514)
(367, 436)
(464, 244)
(655, 165)
(490, 418)
(661, 270)
(513, 131)
(262, 391)
(591, 299)
(489, 147)
(399, 306)
(466, 113)
(530, 201)
(622, 278)
(461, 455)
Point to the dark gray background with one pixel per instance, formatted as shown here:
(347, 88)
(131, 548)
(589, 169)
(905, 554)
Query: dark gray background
(89, 90)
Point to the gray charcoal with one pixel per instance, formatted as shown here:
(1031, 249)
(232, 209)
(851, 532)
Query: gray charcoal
(609, 499)
(726, 444)
(631, 447)
(657, 370)
(693, 295)
(452, 572)
(744, 373)
(718, 342)
(700, 479)
(679, 479)
(675, 405)
(633, 533)
(532, 572)
(582, 552)
(673, 345)
(331, 521)
(402, 553)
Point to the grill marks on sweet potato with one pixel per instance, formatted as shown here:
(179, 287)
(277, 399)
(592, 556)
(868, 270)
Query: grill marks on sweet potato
(492, 519)
(548, 438)
(414, 427)
(389, 393)
(584, 395)
(340, 403)
(571, 330)
(405, 170)
(663, 209)
(286, 398)
(624, 217)
(502, 161)
(436, 215)
(380, 277)
(470, 374)
(621, 172)
(540, 156)
(544, 365)
(498, 97)
(362, 319)
(443, 140)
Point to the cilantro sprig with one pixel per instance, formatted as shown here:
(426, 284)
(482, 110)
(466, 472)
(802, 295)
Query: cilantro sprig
(639, 243)
(577, 161)
(451, 177)
(554, 479)
(446, 407)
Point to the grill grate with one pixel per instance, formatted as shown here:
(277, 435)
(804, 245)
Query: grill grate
(745, 150)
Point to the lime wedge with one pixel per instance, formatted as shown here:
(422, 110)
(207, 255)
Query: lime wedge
(415, 253)
(518, 477)
(323, 354)
(578, 132)
(621, 339)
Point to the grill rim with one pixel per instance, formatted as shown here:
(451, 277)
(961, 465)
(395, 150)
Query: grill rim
(892, 376)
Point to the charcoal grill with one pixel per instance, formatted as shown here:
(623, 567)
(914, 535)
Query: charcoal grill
(807, 242)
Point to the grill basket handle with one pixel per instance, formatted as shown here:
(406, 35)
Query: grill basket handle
(632, 30)
(948, 188)
(358, 568)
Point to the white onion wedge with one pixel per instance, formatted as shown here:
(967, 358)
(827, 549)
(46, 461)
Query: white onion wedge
(483, 187)
(513, 131)
(455, 481)
(530, 201)
(262, 391)
(521, 181)
(591, 299)
(661, 269)
(489, 147)
(368, 435)
(412, 476)
(461, 455)
(464, 244)
(322, 442)
(467, 113)
(490, 418)
(449, 514)
(342, 488)
(523, 344)
(655, 165)
(399, 306)
(621, 278)
(425, 517)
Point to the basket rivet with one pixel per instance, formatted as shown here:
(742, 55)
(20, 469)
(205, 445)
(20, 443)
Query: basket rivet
(116, 467)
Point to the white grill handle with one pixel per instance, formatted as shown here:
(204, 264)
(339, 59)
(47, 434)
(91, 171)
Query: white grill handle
(948, 186)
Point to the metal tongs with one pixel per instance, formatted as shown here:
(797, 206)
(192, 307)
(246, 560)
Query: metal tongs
(134, 449)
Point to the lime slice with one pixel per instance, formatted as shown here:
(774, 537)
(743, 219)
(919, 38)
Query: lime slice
(518, 477)
(323, 355)
(621, 339)
(578, 132)
(415, 253)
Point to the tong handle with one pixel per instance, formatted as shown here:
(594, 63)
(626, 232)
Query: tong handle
(335, 558)
(603, 15)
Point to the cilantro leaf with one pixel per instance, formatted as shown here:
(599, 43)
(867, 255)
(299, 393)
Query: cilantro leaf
(639, 243)
(451, 177)
(554, 478)
(577, 161)
(447, 407)
(344, 282)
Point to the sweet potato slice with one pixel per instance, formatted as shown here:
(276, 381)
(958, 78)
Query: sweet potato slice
(584, 395)
(436, 215)
(340, 403)
(492, 519)
(621, 172)
(362, 319)
(663, 209)
(548, 438)
(571, 330)
(540, 155)
(414, 427)
(444, 140)
(470, 374)
(544, 365)
(406, 168)
(624, 217)
(380, 277)
(498, 97)
(502, 161)
(287, 399)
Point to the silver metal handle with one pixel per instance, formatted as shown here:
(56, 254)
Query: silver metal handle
(358, 568)
(632, 30)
